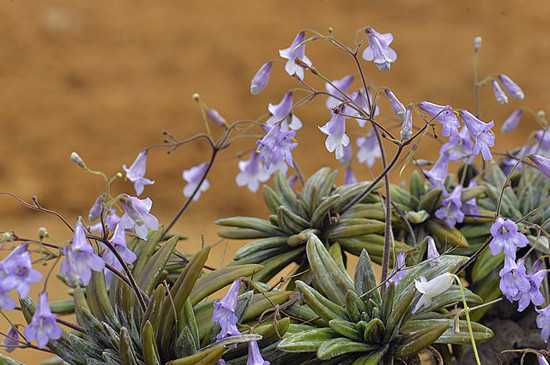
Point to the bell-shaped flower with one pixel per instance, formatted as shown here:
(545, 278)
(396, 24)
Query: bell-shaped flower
(349, 176)
(282, 114)
(499, 93)
(194, 177)
(543, 322)
(253, 172)
(451, 211)
(296, 51)
(137, 216)
(16, 271)
(360, 101)
(470, 206)
(512, 121)
(533, 295)
(369, 149)
(276, 146)
(542, 163)
(224, 312)
(399, 271)
(406, 128)
(442, 114)
(43, 326)
(511, 87)
(432, 288)
(136, 172)
(338, 91)
(433, 254)
(513, 279)
(111, 221)
(336, 131)
(395, 104)
(481, 133)
(11, 341)
(438, 173)
(254, 355)
(379, 49)
(460, 147)
(118, 241)
(506, 238)
(260, 80)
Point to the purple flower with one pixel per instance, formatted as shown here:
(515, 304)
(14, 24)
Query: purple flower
(137, 216)
(336, 131)
(481, 133)
(542, 146)
(438, 173)
(470, 206)
(395, 104)
(433, 254)
(459, 147)
(542, 360)
(136, 172)
(360, 99)
(513, 279)
(499, 94)
(348, 155)
(442, 114)
(260, 80)
(543, 322)
(224, 312)
(399, 271)
(349, 177)
(276, 146)
(281, 114)
(535, 277)
(406, 128)
(43, 326)
(512, 121)
(252, 173)
(542, 163)
(216, 117)
(16, 271)
(194, 176)
(506, 238)
(254, 355)
(11, 341)
(369, 150)
(95, 211)
(379, 49)
(111, 221)
(511, 87)
(119, 243)
(451, 212)
(295, 52)
(340, 87)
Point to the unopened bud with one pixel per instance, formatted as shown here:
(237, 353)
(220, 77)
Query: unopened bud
(260, 80)
(499, 94)
(7, 236)
(78, 160)
(477, 43)
(95, 212)
(406, 128)
(196, 97)
(511, 87)
(512, 121)
(216, 117)
(42, 232)
(395, 104)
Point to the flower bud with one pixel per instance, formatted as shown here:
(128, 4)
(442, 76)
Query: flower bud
(512, 121)
(78, 160)
(511, 87)
(542, 163)
(260, 80)
(477, 43)
(406, 128)
(395, 104)
(7, 236)
(42, 232)
(499, 94)
(95, 212)
(216, 117)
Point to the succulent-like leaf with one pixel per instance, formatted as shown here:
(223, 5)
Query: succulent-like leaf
(126, 350)
(206, 357)
(307, 341)
(412, 343)
(339, 346)
(346, 328)
(149, 346)
(373, 332)
(365, 277)
(324, 308)
(449, 336)
(259, 246)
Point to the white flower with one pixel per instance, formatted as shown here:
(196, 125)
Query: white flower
(430, 289)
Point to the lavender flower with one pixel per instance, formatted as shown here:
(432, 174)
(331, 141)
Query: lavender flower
(119, 243)
(281, 114)
(438, 173)
(16, 271)
(216, 117)
(399, 271)
(260, 80)
(137, 216)
(481, 133)
(470, 206)
(511, 87)
(340, 86)
(535, 277)
(442, 114)
(336, 131)
(252, 173)
(6, 302)
(193, 176)
(276, 146)
(451, 212)
(349, 177)
(460, 147)
(542, 163)
(254, 355)
(11, 341)
(43, 326)
(369, 149)
(513, 279)
(379, 49)
(136, 172)
(406, 128)
(506, 238)
(432, 288)
(499, 94)
(395, 104)
(433, 254)
(360, 99)
(295, 52)
(347, 157)
(111, 221)
(543, 322)
(542, 360)
(224, 312)
(95, 211)
(512, 121)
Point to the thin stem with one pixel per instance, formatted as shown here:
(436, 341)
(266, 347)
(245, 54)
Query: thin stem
(467, 312)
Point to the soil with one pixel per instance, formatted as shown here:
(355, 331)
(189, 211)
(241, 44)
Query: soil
(106, 78)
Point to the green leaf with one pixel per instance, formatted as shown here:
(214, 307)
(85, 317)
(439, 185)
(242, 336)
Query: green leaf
(340, 346)
(449, 336)
(346, 329)
(307, 341)
(149, 346)
(374, 331)
(365, 277)
(412, 343)
(325, 308)
(126, 350)
(148, 277)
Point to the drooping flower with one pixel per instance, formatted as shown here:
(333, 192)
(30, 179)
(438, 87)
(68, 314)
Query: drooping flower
(379, 49)
(432, 288)
(11, 341)
(506, 238)
(194, 176)
(395, 104)
(83, 257)
(543, 322)
(95, 211)
(369, 149)
(438, 173)
(349, 177)
(16, 271)
(360, 99)
(470, 206)
(512, 121)
(276, 146)
(111, 221)
(136, 172)
(295, 52)
(254, 355)
(252, 173)
(511, 87)
(260, 80)
(433, 254)
(542, 163)
(335, 128)
(224, 312)
(406, 128)
(281, 114)
(137, 216)
(499, 93)
(118, 241)
(451, 211)
(399, 271)
(347, 157)
(338, 90)
(533, 295)
(442, 114)
(460, 147)
(513, 279)
(43, 326)
(481, 133)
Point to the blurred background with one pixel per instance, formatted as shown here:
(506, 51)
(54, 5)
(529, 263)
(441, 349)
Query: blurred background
(105, 79)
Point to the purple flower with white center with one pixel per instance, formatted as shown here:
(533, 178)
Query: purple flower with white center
(338, 90)
(16, 271)
(543, 322)
(276, 146)
(470, 207)
(442, 114)
(43, 326)
(254, 355)
(438, 173)
(349, 176)
(379, 49)
(11, 341)
(512, 121)
(194, 176)
(260, 80)
(513, 279)
(369, 149)
(451, 212)
(395, 104)
(432, 288)
(137, 216)
(95, 211)
(506, 238)
(224, 312)
(460, 147)
(252, 173)
(360, 99)
(542, 360)
(406, 128)
(433, 254)
(533, 295)
(119, 243)
(295, 52)
(499, 93)
(511, 87)
(399, 271)
(82, 253)
(111, 221)
(542, 163)
(481, 133)
(281, 114)
(136, 172)
(336, 131)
